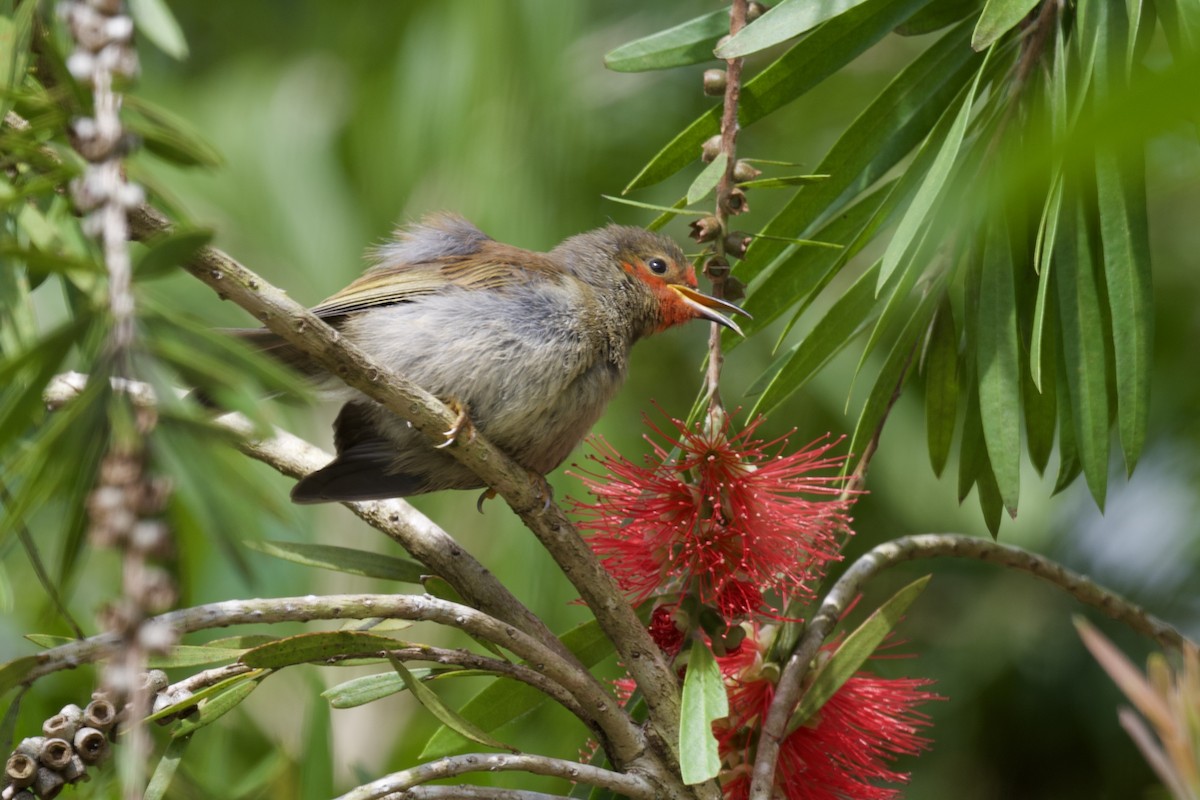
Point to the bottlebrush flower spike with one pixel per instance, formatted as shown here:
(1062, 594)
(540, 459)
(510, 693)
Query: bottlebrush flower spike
(845, 751)
(728, 518)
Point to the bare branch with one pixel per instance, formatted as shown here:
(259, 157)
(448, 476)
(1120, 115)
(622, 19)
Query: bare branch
(400, 782)
(912, 548)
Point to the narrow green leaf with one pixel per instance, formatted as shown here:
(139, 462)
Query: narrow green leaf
(914, 219)
(804, 66)
(213, 708)
(12, 673)
(16, 33)
(319, 646)
(999, 362)
(997, 19)
(155, 20)
(937, 15)
(184, 655)
(687, 212)
(1043, 263)
(168, 135)
(446, 715)
(940, 362)
(315, 772)
(704, 702)
(785, 21)
(895, 122)
(662, 219)
(1085, 344)
(503, 702)
(168, 765)
(1069, 465)
(8, 723)
(206, 693)
(782, 181)
(688, 43)
(369, 688)
(990, 502)
(971, 449)
(343, 559)
(707, 180)
(854, 652)
(1041, 413)
(827, 337)
(1123, 230)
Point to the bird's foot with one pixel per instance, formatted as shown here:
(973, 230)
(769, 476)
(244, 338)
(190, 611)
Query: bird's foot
(462, 422)
(543, 488)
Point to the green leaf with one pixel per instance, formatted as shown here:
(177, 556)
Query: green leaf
(990, 502)
(502, 701)
(895, 122)
(168, 135)
(688, 43)
(184, 655)
(168, 765)
(206, 693)
(672, 210)
(315, 773)
(707, 180)
(1043, 263)
(785, 21)
(343, 559)
(940, 362)
(446, 715)
(1121, 202)
(915, 218)
(368, 688)
(1069, 466)
(319, 646)
(782, 181)
(937, 15)
(1041, 414)
(854, 652)
(704, 702)
(213, 708)
(155, 20)
(15, 36)
(972, 452)
(1085, 344)
(12, 673)
(997, 19)
(804, 66)
(164, 255)
(999, 362)
(662, 219)
(828, 336)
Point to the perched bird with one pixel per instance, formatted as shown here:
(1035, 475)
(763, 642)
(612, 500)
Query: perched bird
(530, 346)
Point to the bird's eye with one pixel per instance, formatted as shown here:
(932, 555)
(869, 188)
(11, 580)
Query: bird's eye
(657, 265)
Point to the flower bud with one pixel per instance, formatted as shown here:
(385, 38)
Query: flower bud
(47, 784)
(714, 82)
(100, 714)
(64, 723)
(20, 770)
(736, 243)
(92, 745)
(743, 171)
(711, 149)
(705, 229)
(55, 753)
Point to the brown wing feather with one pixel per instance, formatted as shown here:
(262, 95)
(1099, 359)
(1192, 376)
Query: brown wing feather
(494, 267)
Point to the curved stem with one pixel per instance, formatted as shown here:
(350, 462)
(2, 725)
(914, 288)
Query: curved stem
(629, 785)
(911, 548)
(601, 708)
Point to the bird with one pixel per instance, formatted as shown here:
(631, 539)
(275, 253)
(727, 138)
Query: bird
(528, 346)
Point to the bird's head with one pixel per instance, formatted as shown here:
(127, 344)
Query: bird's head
(657, 268)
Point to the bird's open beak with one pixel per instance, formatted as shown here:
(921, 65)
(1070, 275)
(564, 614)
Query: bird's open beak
(710, 307)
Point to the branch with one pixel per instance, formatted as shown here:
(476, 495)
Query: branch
(400, 782)
(554, 530)
(912, 548)
(602, 709)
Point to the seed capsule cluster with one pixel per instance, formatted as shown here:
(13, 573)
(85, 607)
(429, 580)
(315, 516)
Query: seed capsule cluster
(72, 740)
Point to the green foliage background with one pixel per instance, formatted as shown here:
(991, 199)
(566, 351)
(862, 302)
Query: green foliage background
(335, 121)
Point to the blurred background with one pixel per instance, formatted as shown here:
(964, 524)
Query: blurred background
(338, 121)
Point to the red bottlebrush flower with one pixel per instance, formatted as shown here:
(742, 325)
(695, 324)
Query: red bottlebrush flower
(664, 631)
(845, 751)
(723, 518)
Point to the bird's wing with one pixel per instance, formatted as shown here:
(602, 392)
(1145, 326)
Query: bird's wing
(441, 252)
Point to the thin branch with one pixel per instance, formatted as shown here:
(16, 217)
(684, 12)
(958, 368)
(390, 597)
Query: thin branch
(400, 782)
(601, 707)
(299, 327)
(912, 548)
(471, 793)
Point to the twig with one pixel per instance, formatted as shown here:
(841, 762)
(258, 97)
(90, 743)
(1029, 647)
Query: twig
(470, 793)
(298, 326)
(601, 707)
(911, 548)
(400, 782)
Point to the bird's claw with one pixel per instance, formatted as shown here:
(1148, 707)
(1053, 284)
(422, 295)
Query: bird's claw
(461, 422)
(486, 494)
